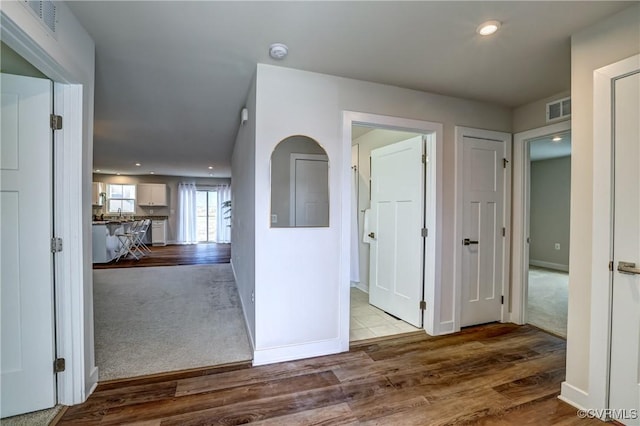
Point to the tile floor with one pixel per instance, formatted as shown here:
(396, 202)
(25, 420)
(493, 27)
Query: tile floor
(368, 321)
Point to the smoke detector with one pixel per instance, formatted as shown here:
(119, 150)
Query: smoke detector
(278, 51)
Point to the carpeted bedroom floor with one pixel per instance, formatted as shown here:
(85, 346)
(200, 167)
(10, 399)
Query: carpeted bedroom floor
(548, 300)
(167, 318)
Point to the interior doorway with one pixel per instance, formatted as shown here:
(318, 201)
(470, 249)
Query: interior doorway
(542, 188)
(372, 300)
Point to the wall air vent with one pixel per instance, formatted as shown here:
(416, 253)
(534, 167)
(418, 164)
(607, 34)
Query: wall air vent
(45, 11)
(559, 109)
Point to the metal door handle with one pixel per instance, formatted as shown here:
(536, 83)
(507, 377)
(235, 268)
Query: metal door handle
(628, 268)
(372, 235)
(467, 242)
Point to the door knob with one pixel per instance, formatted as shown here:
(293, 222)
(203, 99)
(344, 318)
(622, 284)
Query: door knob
(628, 268)
(372, 235)
(467, 242)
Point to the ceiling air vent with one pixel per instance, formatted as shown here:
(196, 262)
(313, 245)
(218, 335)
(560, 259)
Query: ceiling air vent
(45, 11)
(559, 109)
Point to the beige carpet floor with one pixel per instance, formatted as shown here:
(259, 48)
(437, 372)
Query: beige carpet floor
(168, 318)
(37, 418)
(548, 300)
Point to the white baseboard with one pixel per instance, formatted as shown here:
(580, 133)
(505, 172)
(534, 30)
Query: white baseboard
(360, 286)
(295, 352)
(574, 396)
(244, 311)
(92, 382)
(549, 265)
(446, 327)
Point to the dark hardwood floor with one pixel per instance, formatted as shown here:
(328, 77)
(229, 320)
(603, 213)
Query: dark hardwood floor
(172, 255)
(496, 374)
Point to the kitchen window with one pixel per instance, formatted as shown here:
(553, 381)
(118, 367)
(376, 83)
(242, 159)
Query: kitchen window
(121, 198)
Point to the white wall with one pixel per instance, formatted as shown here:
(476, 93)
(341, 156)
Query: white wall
(549, 213)
(609, 41)
(374, 139)
(534, 114)
(171, 210)
(299, 272)
(243, 215)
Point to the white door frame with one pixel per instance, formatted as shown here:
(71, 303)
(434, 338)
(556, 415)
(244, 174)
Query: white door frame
(433, 212)
(602, 237)
(521, 169)
(68, 150)
(460, 134)
(292, 179)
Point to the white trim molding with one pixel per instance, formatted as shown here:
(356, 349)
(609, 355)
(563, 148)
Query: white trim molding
(520, 226)
(601, 277)
(433, 132)
(460, 133)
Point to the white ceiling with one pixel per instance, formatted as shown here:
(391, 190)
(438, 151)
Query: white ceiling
(172, 77)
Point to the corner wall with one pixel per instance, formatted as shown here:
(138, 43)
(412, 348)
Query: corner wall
(243, 213)
(300, 272)
(609, 41)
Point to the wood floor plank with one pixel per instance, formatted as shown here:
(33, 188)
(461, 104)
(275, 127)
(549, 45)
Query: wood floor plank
(500, 374)
(178, 254)
(335, 415)
(269, 372)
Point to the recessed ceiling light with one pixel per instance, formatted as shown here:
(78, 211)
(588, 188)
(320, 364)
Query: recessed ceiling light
(278, 51)
(118, 174)
(488, 28)
(98, 170)
(210, 167)
(138, 164)
(557, 139)
(152, 173)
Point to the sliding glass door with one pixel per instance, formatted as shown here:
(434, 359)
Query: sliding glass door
(207, 215)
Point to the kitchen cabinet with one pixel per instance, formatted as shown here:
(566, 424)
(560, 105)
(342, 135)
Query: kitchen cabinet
(96, 198)
(159, 232)
(152, 194)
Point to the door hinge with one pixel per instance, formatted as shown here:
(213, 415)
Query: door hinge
(504, 232)
(423, 305)
(504, 163)
(502, 300)
(424, 158)
(425, 232)
(56, 122)
(59, 365)
(611, 265)
(56, 245)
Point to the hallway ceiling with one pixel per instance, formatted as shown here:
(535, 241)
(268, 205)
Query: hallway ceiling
(172, 77)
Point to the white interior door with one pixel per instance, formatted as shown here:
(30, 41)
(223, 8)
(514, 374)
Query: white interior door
(310, 190)
(482, 222)
(625, 331)
(26, 264)
(397, 218)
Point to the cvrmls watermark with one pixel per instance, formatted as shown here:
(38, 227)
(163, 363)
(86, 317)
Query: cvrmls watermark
(612, 413)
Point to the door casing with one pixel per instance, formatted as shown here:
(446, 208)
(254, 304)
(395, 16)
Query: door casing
(73, 297)
(433, 324)
(460, 134)
(602, 238)
(520, 221)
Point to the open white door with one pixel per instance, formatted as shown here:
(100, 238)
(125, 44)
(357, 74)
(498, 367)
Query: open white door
(26, 264)
(397, 218)
(482, 237)
(625, 330)
(309, 190)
